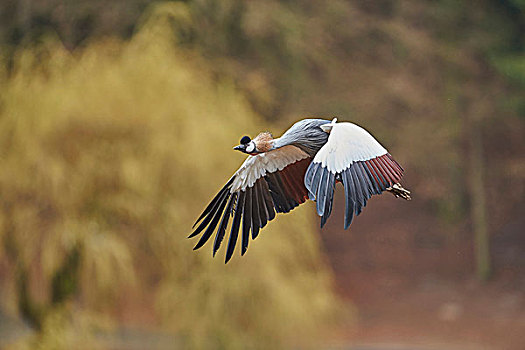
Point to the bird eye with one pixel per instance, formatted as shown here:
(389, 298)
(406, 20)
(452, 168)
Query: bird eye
(245, 140)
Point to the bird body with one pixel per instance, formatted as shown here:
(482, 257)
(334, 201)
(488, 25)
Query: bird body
(304, 163)
(306, 134)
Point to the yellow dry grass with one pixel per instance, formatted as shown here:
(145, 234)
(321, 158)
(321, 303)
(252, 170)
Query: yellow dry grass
(118, 146)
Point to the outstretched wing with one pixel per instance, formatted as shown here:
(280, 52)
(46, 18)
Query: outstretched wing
(265, 184)
(353, 157)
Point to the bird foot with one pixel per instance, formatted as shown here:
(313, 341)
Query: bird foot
(399, 192)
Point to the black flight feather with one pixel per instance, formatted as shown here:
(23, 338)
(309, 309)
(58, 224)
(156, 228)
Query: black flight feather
(321, 192)
(329, 199)
(354, 187)
(246, 221)
(224, 223)
(214, 200)
(274, 193)
(368, 191)
(207, 234)
(220, 199)
(267, 200)
(235, 226)
(278, 194)
(290, 203)
(256, 210)
(349, 202)
(374, 177)
(369, 178)
(358, 188)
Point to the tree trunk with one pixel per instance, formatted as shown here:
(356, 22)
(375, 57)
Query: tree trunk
(478, 205)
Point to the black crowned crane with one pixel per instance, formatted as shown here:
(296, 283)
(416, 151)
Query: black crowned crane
(304, 163)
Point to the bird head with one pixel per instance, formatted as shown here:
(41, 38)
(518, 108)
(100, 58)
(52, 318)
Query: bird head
(247, 145)
(262, 143)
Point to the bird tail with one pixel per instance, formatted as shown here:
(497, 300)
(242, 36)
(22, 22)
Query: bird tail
(398, 191)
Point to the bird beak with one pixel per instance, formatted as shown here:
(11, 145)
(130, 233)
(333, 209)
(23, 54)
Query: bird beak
(240, 148)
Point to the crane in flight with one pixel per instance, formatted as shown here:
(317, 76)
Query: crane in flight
(304, 163)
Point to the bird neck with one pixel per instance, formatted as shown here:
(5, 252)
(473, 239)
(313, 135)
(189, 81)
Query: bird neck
(264, 142)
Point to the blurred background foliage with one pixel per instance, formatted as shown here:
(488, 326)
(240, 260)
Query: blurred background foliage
(116, 126)
(121, 144)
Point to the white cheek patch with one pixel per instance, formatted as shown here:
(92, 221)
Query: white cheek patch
(251, 147)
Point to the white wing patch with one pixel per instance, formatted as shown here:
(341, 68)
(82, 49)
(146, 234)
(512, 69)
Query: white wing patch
(348, 143)
(255, 167)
